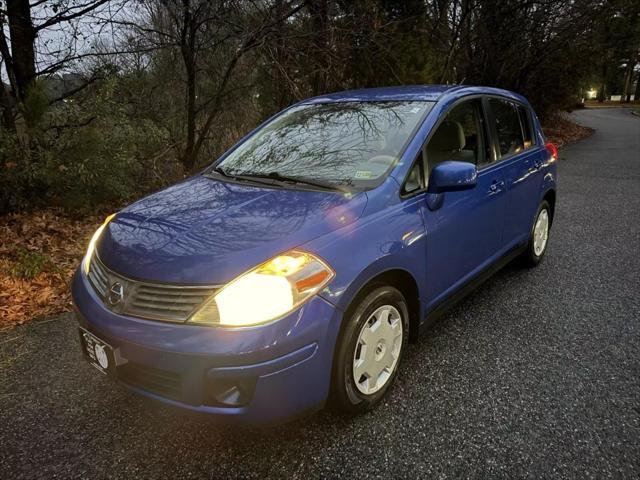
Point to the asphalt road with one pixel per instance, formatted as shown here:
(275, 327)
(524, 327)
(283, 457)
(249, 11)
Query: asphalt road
(536, 374)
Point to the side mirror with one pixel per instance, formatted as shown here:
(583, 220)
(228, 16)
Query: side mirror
(452, 176)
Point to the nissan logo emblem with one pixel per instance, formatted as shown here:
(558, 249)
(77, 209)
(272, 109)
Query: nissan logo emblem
(116, 293)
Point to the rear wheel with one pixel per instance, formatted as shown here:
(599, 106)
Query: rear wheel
(370, 349)
(539, 237)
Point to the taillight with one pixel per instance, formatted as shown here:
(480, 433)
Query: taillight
(551, 148)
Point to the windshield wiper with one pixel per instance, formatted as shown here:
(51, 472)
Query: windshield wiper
(239, 178)
(222, 172)
(278, 177)
(299, 180)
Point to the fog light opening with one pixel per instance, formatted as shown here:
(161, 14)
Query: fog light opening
(230, 393)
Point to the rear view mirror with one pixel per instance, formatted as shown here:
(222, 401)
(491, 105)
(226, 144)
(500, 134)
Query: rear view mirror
(452, 176)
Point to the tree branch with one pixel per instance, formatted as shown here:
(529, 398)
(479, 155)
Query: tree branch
(73, 91)
(66, 15)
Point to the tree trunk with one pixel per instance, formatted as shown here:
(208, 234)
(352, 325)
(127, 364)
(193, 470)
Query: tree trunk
(187, 49)
(628, 77)
(602, 92)
(6, 101)
(636, 96)
(320, 16)
(23, 36)
(188, 158)
(280, 62)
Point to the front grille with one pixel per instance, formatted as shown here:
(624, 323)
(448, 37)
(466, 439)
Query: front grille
(162, 382)
(156, 301)
(98, 276)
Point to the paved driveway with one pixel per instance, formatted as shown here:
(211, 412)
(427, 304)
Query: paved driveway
(536, 374)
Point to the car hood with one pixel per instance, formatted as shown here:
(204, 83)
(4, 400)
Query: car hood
(206, 231)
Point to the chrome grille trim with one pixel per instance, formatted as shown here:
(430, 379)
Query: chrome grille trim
(98, 277)
(154, 301)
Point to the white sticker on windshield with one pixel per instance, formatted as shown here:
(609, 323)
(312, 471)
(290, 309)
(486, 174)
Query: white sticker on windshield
(364, 174)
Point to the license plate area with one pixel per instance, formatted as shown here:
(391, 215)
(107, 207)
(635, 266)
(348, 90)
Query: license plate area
(97, 352)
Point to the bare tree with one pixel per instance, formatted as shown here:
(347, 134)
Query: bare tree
(40, 38)
(210, 39)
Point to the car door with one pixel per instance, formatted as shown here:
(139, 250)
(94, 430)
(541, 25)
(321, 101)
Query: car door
(519, 160)
(464, 233)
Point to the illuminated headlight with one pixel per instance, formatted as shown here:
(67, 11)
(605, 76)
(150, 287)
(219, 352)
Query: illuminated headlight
(86, 261)
(267, 292)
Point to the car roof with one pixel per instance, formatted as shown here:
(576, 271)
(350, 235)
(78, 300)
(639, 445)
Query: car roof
(409, 92)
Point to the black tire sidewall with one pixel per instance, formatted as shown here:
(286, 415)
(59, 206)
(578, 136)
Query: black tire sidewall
(346, 395)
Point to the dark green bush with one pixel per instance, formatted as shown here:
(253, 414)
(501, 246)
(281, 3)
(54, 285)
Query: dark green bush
(83, 153)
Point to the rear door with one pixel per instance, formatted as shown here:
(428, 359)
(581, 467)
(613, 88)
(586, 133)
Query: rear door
(519, 161)
(465, 234)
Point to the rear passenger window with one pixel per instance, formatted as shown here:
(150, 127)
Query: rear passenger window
(508, 127)
(525, 122)
(459, 137)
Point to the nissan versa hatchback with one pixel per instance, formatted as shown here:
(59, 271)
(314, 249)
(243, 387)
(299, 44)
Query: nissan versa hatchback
(294, 270)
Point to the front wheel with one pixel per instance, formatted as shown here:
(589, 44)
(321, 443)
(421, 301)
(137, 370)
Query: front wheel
(539, 237)
(369, 349)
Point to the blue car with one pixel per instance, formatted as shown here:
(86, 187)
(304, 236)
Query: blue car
(294, 270)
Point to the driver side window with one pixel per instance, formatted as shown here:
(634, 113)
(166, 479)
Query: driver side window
(459, 137)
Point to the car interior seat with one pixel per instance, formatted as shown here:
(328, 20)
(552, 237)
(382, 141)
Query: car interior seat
(448, 143)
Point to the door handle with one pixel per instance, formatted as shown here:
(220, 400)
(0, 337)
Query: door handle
(496, 187)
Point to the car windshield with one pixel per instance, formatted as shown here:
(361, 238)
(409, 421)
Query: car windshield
(350, 144)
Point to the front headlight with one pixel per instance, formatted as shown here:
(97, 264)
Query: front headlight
(86, 261)
(267, 292)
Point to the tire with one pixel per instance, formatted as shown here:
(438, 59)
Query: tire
(357, 395)
(537, 245)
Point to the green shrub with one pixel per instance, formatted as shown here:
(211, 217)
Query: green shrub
(30, 264)
(84, 152)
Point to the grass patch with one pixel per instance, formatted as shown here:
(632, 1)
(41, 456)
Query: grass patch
(29, 265)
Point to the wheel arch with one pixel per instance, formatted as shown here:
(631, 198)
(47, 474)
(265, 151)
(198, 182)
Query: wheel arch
(550, 197)
(398, 278)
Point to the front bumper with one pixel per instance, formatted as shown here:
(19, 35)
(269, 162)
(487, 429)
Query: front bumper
(283, 369)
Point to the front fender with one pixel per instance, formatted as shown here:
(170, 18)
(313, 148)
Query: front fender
(379, 267)
(400, 244)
